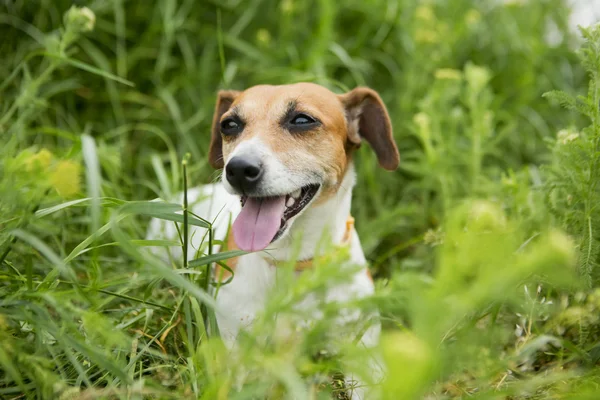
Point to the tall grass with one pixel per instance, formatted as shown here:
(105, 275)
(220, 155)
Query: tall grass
(483, 244)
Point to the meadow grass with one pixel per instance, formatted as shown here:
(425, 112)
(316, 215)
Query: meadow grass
(483, 245)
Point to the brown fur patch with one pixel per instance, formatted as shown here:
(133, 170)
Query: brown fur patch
(225, 99)
(369, 119)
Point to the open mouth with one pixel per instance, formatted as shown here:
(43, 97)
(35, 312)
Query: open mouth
(264, 219)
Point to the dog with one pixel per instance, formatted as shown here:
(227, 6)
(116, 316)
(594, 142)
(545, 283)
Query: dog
(287, 158)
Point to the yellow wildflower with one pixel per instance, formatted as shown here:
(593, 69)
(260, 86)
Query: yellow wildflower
(263, 36)
(287, 6)
(421, 119)
(426, 36)
(425, 13)
(448, 73)
(472, 17)
(66, 178)
(40, 160)
(477, 76)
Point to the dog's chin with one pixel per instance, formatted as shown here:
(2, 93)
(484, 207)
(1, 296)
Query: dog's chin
(297, 202)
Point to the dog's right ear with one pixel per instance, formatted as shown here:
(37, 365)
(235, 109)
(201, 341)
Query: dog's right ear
(224, 100)
(369, 120)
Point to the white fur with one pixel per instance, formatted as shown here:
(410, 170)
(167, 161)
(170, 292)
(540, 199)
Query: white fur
(277, 178)
(242, 300)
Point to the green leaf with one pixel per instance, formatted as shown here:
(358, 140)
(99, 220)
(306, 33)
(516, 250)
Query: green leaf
(565, 100)
(104, 201)
(216, 257)
(158, 268)
(161, 210)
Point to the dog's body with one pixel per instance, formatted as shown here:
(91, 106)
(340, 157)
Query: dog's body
(287, 155)
(256, 273)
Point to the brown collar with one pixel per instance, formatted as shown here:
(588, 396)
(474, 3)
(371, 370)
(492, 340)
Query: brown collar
(223, 274)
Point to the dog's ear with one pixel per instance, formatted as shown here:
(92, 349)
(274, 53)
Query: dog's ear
(368, 119)
(224, 100)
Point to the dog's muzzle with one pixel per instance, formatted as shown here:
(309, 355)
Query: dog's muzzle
(244, 173)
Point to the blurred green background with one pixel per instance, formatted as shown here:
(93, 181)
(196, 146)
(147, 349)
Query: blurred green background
(496, 190)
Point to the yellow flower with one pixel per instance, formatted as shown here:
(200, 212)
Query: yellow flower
(448, 73)
(472, 17)
(425, 13)
(263, 36)
(514, 3)
(40, 160)
(426, 36)
(66, 178)
(477, 76)
(287, 6)
(421, 119)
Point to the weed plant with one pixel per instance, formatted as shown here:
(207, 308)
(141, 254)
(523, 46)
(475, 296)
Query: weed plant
(484, 245)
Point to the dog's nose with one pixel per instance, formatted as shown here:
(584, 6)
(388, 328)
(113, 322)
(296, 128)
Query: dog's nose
(244, 173)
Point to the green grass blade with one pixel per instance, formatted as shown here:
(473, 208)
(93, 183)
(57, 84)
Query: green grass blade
(91, 69)
(216, 257)
(104, 201)
(160, 210)
(93, 178)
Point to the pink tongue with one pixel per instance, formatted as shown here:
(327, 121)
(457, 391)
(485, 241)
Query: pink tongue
(260, 219)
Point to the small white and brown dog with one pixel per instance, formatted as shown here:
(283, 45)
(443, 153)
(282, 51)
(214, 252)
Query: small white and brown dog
(287, 154)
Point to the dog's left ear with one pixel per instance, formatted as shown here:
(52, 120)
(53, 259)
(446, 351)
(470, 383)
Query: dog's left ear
(225, 99)
(368, 119)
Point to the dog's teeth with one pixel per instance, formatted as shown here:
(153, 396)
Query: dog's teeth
(290, 202)
(296, 194)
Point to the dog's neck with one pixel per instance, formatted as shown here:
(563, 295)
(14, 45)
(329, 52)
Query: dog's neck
(324, 221)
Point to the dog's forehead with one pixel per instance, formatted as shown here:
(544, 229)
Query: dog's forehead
(275, 100)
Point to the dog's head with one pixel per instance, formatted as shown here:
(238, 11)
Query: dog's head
(286, 147)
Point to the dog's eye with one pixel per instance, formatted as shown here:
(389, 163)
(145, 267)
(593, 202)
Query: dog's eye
(302, 119)
(231, 126)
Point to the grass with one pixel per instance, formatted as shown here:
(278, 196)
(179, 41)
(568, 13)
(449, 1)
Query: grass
(484, 245)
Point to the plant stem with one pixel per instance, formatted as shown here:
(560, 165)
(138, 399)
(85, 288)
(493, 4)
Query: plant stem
(207, 279)
(185, 216)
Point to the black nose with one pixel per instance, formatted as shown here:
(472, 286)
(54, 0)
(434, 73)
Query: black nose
(244, 173)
